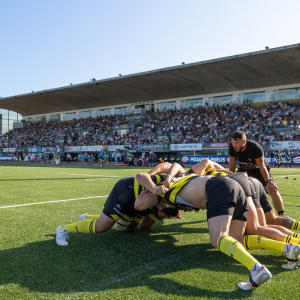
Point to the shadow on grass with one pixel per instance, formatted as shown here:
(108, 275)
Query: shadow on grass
(118, 260)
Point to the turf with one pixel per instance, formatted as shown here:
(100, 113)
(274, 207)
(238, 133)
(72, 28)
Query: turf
(173, 261)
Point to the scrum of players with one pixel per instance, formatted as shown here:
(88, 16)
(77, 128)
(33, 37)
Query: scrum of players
(240, 216)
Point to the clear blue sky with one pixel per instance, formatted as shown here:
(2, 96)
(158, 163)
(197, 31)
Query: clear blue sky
(49, 44)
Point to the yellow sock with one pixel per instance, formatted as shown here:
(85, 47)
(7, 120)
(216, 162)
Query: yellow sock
(261, 242)
(235, 249)
(84, 226)
(93, 217)
(295, 235)
(288, 239)
(296, 225)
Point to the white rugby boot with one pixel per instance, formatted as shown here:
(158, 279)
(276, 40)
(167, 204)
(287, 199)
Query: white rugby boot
(61, 236)
(82, 217)
(255, 281)
(292, 258)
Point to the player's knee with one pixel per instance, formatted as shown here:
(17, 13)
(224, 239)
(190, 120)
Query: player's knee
(121, 225)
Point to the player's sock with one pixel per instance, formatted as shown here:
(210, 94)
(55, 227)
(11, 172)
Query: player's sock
(261, 242)
(296, 226)
(280, 212)
(289, 239)
(93, 217)
(295, 235)
(84, 226)
(235, 249)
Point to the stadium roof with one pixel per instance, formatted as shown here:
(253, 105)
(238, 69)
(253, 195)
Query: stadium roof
(270, 67)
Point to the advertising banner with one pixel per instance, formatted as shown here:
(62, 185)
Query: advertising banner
(34, 149)
(115, 147)
(5, 158)
(220, 145)
(72, 148)
(9, 149)
(91, 148)
(285, 145)
(185, 147)
(191, 159)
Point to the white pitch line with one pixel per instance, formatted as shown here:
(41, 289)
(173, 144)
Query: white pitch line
(287, 175)
(28, 204)
(92, 175)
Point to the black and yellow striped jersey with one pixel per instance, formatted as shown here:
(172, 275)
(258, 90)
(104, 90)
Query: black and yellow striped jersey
(214, 173)
(157, 179)
(176, 186)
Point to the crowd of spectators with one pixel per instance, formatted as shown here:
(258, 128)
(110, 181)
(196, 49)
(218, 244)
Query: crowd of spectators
(186, 125)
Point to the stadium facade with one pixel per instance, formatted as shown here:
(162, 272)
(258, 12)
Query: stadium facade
(262, 76)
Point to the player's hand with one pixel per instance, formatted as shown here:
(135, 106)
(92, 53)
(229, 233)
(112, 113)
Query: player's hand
(167, 181)
(159, 190)
(272, 185)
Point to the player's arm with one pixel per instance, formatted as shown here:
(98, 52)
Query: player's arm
(144, 180)
(205, 164)
(175, 170)
(232, 164)
(160, 168)
(264, 172)
(145, 200)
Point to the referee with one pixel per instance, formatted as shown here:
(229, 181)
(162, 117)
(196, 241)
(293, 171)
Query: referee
(251, 159)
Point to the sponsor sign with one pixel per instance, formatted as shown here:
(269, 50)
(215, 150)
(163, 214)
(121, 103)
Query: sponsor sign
(34, 149)
(191, 159)
(115, 147)
(285, 145)
(9, 149)
(5, 158)
(72, 148)
(91, 148)
(296, 160)
(220, 145)
(185, 147)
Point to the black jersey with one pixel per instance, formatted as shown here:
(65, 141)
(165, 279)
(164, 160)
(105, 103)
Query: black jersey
(247, 158)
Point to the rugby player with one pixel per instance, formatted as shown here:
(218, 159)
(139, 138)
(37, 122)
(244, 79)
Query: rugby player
(251, 159)
(118, 212)
(205, 168)
(256, 223)
(225, 202)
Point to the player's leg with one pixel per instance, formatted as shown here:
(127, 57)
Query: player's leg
(254, 228)
(218, 229)
(284, 221)
(102, 224)
(276, 198)
(219, 219)
(291, 251)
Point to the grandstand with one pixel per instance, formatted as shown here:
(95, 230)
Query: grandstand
(199, 103)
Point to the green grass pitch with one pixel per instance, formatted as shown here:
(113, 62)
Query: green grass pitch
(173, 261)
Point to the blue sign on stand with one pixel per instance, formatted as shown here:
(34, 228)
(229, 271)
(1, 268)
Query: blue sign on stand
(191, 159)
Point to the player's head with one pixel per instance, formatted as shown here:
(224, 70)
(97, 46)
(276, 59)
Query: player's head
(161, 211)
(238, 140)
